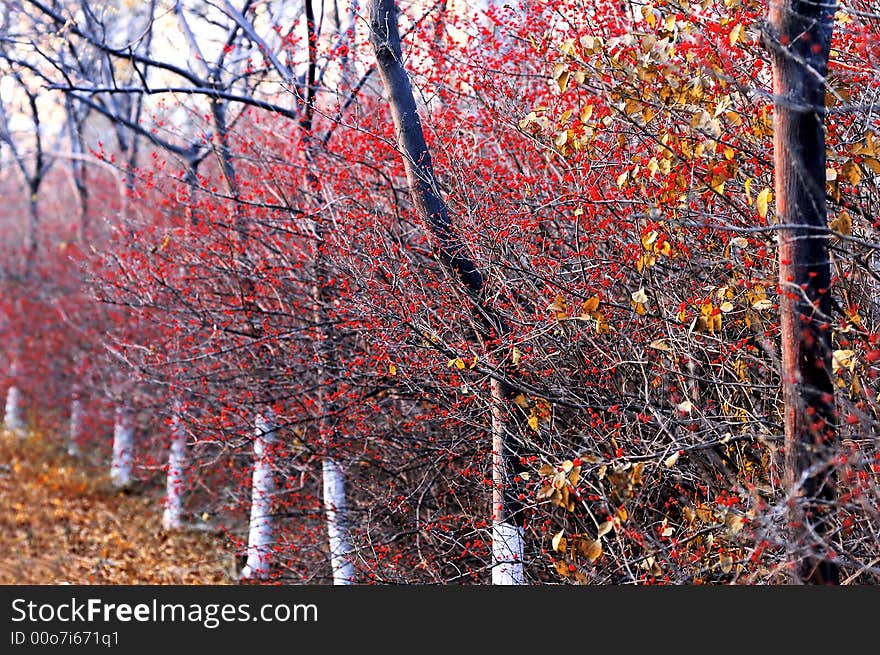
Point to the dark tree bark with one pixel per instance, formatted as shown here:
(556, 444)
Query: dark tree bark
(507, 538)
(799, 40)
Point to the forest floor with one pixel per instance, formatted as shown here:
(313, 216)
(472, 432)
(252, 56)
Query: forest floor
(61, 523)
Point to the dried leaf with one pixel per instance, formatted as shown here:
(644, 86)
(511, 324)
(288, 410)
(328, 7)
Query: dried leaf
(734, 522)
(842, 224)
(660, 344)
(593, 550)
(763, 202)
(533, 421)
(559, 542)
(590, 306)
(736, 34)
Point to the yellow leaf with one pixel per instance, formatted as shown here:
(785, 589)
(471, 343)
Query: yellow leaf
(590, 305)
(873, 164)
(853, 173)
(734, 522)
(726, 307)
(605, 528)
(562, 81)
(671, 460)
(562, 568)
(660, 344)
(458, 363)
(704, 513)
(763, 202)
(521, 401)
(639, 296)
(736, 34)
(621, 179)
(748, 188)
(842, 224)
(392, 369)
(843, 359)
(559, 306)
(593, 550)
(559, 543)
(688, 514)
(533, 422)
(685, 407)
(516, 355)
(586, 112)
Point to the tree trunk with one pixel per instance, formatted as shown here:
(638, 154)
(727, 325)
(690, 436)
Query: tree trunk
(799, 40)
(507, 535)
(12, 418)
(76, 420)
(171, 517)
(337, 521)
(123, 447)
(261, 532)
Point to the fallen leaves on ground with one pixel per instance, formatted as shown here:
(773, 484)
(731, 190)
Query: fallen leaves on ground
(58, 524)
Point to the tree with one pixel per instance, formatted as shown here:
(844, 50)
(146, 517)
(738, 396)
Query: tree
(510, 313)
(507, 532)
(799, 38)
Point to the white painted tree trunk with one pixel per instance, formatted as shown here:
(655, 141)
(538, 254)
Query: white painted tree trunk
(76, 419)
(261, 532)
(507, 538)
(12, 419)
(507, 554)
(337, 522)
(171, 517)
(123, 447)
